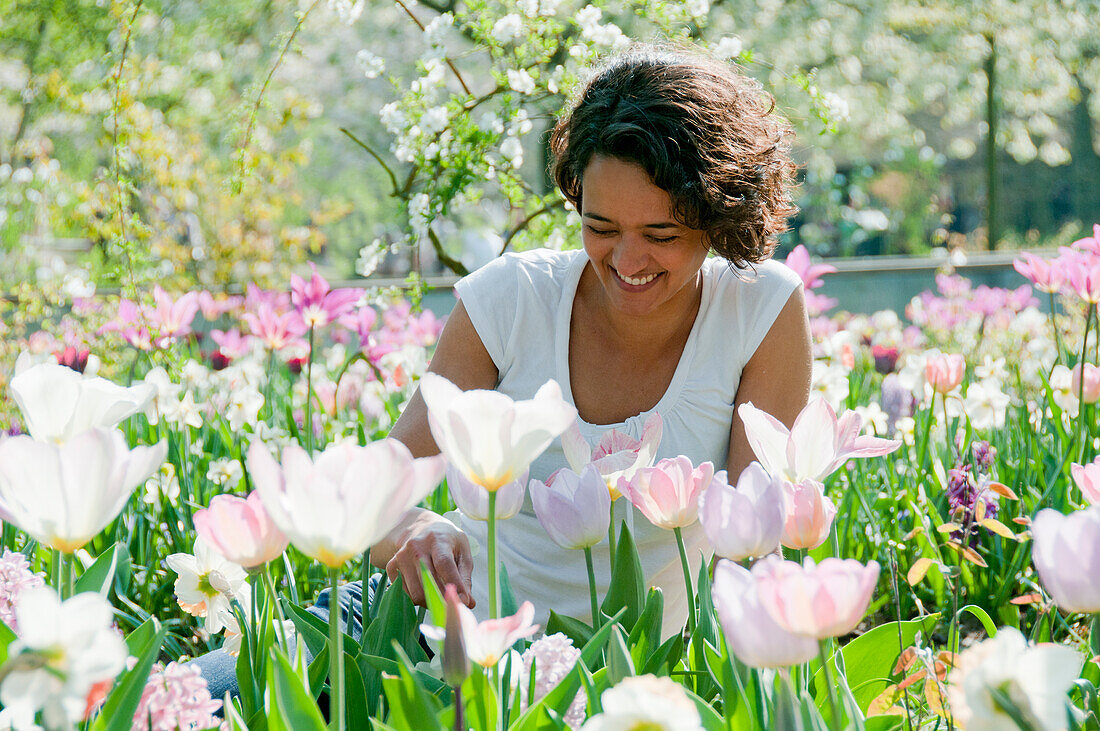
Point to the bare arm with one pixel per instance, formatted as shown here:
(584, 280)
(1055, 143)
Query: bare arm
(776, 379)
(424, 536)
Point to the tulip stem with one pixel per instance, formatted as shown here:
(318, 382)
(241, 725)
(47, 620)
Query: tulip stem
(687, 580)
(494, 581)
(308, 425)
(611, 538)
(828, 684)
(1082, 431)
(65, 568)
(269, 584)
(592, 588)
(336, 654)
(1054, 327)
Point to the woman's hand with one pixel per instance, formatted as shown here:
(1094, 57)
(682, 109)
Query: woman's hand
(429, 538)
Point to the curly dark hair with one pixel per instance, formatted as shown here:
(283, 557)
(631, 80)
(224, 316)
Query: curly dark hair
(705, 133)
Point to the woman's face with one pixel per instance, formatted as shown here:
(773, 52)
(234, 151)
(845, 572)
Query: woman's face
(644, 259)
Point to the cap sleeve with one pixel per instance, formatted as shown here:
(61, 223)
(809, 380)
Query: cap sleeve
(489, 295)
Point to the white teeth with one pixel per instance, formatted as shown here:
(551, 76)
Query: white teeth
(640, 281)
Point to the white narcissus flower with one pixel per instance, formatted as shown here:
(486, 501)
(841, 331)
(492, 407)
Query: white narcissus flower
(335, 507)
(986, 404)
(65, 494)
(487, 436)
(69, 647)
(207, 583)
(646, 702)
(58, 403)
(1035, 678)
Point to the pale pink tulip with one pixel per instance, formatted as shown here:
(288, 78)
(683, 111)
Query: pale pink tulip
(816, 445)
(668, 492)
(1087, 479)
(1089, 243)
(241, 530)
(944, 372)
(1066, 553)
(1083, 272)
(1047, 276)
(616, 454)
(574, 509)
(751, 633)
(809, 514)
(818, 600)
(1090, 391)
(487, 436)
(799, 261)
(486, 642)
(743, 521)
(335, 507)
(473, 500)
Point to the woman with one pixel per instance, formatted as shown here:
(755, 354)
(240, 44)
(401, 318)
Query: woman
(666, 156)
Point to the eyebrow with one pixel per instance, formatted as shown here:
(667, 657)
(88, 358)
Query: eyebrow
(660, 224)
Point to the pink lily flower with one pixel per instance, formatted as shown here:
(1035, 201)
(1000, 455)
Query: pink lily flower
(172, 318)
(816, 600)
(317, 303)
(1089, 243)
(129, 323)
(668, 492)
(254, 297)
(616, 455)
(815, 446)
(799, 261)
(231, 343)
(486, 642)
(1083, 273)
(361, 321)
(1047, 276)
(277, 331)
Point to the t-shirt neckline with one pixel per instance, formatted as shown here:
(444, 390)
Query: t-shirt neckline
(679, 376)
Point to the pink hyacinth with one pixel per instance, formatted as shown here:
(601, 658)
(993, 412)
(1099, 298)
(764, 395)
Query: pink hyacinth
(799, 261)
(15, 578)
(241, 530)
(176, 697)
(668, 492)
(553, 657)
(1047, 276)
(817, 600)
(317, 303)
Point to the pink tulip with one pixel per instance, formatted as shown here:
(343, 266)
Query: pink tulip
(486, 642)
(277, 331)
(241, 530)
(750, 631)
(809, 514)
(473, 500)
(1083, 272)
(317, 303)
(799, 261)
(743, 521)
(1087, 479)
(815, 446)
(818, 600)
(616, 454)
(1090, 393)
(1066, 553)
(1089, 243)
(574, 509)
(1047, 276)
(944, 372)
(668, 493)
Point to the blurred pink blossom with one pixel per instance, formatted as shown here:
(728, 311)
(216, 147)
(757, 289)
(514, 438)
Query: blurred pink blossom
(1090, 390)
(944, 372)
(15, 577)
(552, 658)
(1066, 553)
(486, 642)
(1046, 275)
(176, 697)
(817, 600)
(317, 303)
(231, 343)
(171, 319)
(241, 530)
(1087, 479)
(799, 261)
(1089, 243)
(1083, 272)
(277, 331)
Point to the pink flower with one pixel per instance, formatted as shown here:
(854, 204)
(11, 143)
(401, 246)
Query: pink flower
(575, 510)
(1066, 553)
(361, 322)
(552, 658)
(944, 372)
(231, 343)
(750, 631)
(1083, 272)
(815, 446)
(317, 303)
(176, 697)
(1090, 394)
(172, 318)
(817, 600)
(129, 322)
(668, 493)
(1047, 276)
(15, 578)
(473, 500)
(1087, 479)
(486, 642)
(746, 520)
(809, 514)
(1089, 243)
(277, 331)
(241, 530)
(818, 304)
(799, 261)
(616, 454)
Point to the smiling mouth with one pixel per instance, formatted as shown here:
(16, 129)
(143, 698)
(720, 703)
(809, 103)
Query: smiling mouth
(637, 281)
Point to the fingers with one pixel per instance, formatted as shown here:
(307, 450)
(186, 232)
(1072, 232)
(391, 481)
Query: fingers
(407, 561)
(446, 572)
(446, 555)
(465, 566)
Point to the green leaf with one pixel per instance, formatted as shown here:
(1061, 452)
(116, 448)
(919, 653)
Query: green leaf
(508, 604)
(711, 720)
(140, 637)
(318, 671)
(355, 694)
(293, 707)
(982, 616)
(627, 590)
(100, 575)
(118, 711)
(6, 638)
(646, 635)
(480, 701)
(411, 706)
(619, 663)
(668, 653)
(434, 685)
(571, 627)
(312, 629)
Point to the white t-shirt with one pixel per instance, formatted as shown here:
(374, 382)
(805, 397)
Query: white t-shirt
(520, 305)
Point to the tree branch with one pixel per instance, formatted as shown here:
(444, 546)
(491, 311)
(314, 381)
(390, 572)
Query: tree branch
(448, 61)
(527, 222)
(453, 264)
(370, 150)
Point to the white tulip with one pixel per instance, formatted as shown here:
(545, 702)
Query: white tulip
(65, 494)
(335, 507)
(487, 436)
(69, 647)
(58, 403)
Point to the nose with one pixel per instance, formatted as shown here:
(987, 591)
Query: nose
(631, 255)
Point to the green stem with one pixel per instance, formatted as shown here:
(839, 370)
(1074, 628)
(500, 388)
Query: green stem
(1082, 431)
(269, 583)
(1054, 327)
(55, 569)
(66, 575)
(494, 586)
(687, 580)
(592, 588)
(308, 425)
(835, 717)
(336, 653)
(611, 538)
